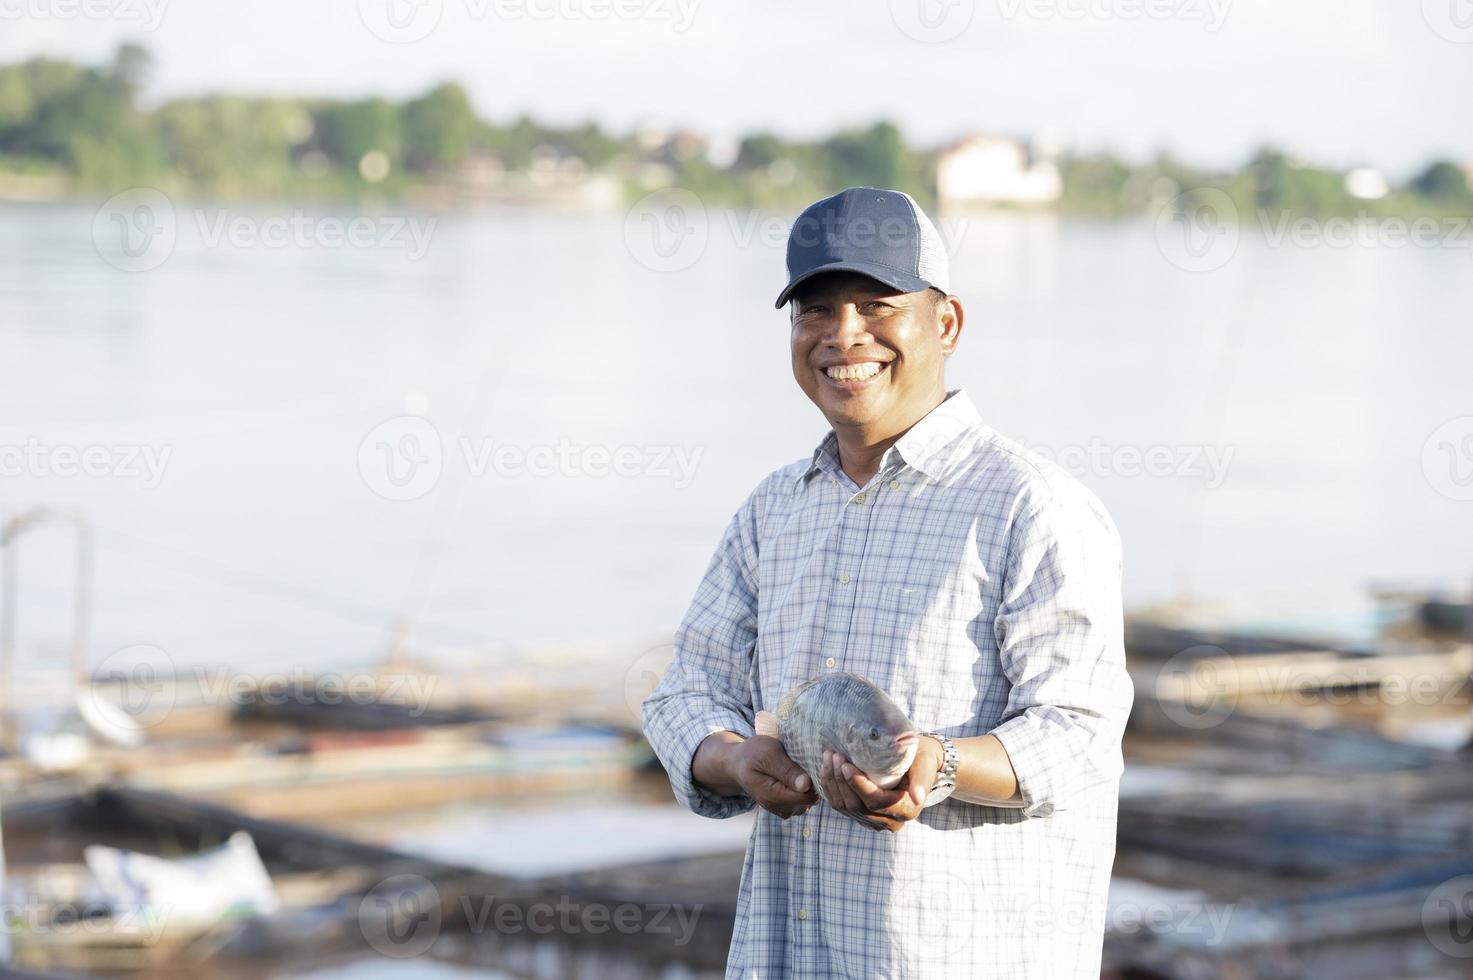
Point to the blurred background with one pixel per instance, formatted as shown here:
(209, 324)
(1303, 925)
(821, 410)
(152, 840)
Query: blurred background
(376, 379)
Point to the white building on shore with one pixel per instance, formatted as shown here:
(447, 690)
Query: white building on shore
(1367, 184)
(978, 171)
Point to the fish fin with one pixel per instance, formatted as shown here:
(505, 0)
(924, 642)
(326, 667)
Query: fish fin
(785, 705)
(767, 724)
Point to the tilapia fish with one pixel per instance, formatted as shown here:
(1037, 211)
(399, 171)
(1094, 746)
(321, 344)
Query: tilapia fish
(848, 714)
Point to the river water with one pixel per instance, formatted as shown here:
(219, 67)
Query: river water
(530, 426)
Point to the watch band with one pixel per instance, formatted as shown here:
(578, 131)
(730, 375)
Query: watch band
(945, 783)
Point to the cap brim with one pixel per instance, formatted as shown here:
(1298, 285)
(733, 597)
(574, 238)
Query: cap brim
(902, 281)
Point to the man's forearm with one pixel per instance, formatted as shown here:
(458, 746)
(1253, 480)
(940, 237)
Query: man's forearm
(712, 766)
(984, 773)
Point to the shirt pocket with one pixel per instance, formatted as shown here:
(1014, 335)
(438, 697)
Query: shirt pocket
(900, 612)
(931, 611)
(939, 666)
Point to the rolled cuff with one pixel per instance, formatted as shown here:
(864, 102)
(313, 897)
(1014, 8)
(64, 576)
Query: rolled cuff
(682, 751)
(1034, 763)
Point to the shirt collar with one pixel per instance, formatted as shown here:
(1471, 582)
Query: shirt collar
(928, 446)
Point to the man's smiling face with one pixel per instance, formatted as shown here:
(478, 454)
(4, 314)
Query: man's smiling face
(869, 356)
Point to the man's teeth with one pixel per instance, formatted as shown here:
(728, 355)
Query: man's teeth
(854, 372)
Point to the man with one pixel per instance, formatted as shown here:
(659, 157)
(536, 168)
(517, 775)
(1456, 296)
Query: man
(977, 585)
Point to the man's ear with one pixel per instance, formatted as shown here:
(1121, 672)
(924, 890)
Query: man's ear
(949, 319)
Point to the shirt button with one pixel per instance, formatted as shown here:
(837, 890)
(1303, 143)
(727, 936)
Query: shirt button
(833, 481)
(859, 498)
(894, 484)
(802, 913)
(844, 579)
(807, 832)
(831, 662)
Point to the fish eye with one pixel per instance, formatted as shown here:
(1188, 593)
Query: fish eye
(874, 733)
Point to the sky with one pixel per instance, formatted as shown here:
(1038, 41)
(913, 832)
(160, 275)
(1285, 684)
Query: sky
(1342, 82)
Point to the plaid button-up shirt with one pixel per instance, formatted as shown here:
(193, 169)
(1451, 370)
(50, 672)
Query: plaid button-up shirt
(980, 587)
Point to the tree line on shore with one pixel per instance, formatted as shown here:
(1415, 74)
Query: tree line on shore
(86, 126)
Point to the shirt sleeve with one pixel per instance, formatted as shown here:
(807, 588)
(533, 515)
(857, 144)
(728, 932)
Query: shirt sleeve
(706, 687)
(1060, 630)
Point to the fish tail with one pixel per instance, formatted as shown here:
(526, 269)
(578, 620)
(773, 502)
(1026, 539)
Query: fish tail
(767, 724)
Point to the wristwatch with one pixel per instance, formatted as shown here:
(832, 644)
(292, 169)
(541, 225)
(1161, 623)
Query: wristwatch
(945, 783)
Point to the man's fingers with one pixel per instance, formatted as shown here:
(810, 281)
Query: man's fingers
(840, 795)
(873, 797)
(877, 823)
(792, 811)
(776, 763)
(776, 792)
(856, 796)
(832, 791)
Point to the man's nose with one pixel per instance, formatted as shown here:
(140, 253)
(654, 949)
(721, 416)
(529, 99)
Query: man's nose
(847, 328)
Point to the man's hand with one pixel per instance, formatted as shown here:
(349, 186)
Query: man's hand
(762, 767)
(855, 795)
(728, 764)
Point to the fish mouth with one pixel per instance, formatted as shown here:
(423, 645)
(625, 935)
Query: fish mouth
(905, 745)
